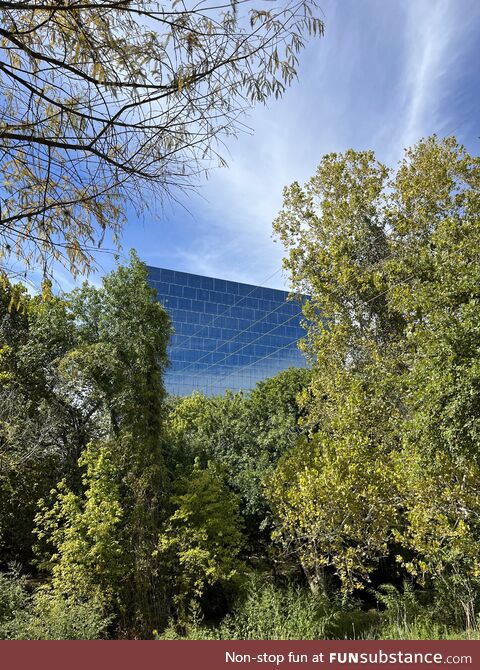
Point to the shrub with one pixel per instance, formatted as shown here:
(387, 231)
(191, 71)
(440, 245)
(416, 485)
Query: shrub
(13, 595)
(268, 612)
(45, 616)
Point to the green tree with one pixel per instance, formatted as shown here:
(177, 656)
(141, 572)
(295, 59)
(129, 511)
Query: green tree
(203, 537)
(101, 537)
(334, 495)
(86, 532)
(43, 429)
(436, 238)
(271, 422)
(206, 428)
(390, 259)
(100, 100)
(246, 433)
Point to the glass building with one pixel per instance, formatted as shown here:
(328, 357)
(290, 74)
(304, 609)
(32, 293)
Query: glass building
(227, 335)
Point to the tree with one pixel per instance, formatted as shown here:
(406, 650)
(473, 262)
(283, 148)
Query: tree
(101, 99)
(436, 239)
(334, 495)
(271, 423)
(390, 259)
(43, 430)
(202, 538)
(103, 535)
(81, 378)
(246, 433)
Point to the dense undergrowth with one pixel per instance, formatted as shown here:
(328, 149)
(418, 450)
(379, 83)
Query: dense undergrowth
(290, 612)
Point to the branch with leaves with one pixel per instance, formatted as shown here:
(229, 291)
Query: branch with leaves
(99, 101)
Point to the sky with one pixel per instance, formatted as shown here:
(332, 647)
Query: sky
(386, 73)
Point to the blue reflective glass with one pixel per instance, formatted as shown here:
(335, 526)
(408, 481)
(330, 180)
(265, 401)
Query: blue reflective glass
(227, 335)
(167, 276)
(173, 289)
(195, 281)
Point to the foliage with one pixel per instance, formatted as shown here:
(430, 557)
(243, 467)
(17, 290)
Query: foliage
(272, 415)
(85, 534)
(336, 234)
(40, 615)
(42, 428)
(203, 537)
(271, 613)
(99, 100)
(47, 617)
(93, 360)
(55, 618)
(411, 614)
(335, 494)
(438, 186)
(390, 260)
(13, 596)
(334, 508)
(246, 433)
(268, 611)
(206, 428)
(352, 478)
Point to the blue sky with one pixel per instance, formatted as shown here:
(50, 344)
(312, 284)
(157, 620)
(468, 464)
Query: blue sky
(387, 73)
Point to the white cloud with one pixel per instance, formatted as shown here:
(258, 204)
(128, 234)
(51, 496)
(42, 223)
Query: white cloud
(436, 34)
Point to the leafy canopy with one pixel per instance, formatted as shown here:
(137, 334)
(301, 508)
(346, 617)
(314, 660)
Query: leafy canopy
(390, 259)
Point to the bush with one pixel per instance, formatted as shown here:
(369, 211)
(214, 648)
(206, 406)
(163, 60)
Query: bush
(421, 615)
(202, 540)
(271, 612)
(13, 595)
(45, 616)
(268, 612)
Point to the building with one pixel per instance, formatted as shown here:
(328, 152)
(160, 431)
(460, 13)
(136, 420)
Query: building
(227, 335)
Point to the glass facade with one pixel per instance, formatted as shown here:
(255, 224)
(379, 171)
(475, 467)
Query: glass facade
(227, 335)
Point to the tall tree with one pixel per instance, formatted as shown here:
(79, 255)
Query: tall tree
(435, 235)
(392, 266)
(43, 430)
(104, 535)
(83, 405)
(99, 99)
(335, 494)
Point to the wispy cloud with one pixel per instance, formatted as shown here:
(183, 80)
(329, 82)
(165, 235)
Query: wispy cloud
(435, 32)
